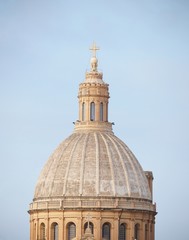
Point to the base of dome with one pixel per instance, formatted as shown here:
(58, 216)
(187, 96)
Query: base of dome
(92, 203)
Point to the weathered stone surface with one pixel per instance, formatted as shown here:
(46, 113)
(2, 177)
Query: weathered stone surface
(92, 163)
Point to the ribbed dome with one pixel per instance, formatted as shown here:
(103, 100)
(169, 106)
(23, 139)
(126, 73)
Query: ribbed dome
(92, 164)
(93, 179)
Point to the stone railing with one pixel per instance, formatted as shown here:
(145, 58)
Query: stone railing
(102, 204)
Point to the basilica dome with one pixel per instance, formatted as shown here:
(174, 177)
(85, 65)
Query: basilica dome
(92, 163)
(92, 185)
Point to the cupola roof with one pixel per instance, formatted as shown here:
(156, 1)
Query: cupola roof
(92, 163)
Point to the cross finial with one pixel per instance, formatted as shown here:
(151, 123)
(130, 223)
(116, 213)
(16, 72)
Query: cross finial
(94, 48)
(88, 218)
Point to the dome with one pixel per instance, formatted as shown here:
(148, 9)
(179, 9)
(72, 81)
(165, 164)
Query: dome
(93, 180)
(92, 164)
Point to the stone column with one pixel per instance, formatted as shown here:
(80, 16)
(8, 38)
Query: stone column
(80, 110)
(97, 110)
(98, 230)
(150, 231)
(115, 229)
(128, 231)
(132, 227)
(62, 227)
(105, 113)
(37, 229)
(79, 227)
(142, 230)
(153, 232)
(87, 110)
(31, 229)
(47, 226)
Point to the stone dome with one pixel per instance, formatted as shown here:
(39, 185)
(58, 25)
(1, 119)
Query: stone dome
(93, 179)
(92, 164)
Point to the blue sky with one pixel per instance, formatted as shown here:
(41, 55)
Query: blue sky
(144, 57)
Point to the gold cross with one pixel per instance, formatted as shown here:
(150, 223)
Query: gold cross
(94, 48)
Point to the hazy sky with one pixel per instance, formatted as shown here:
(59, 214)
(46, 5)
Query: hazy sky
(144, 57)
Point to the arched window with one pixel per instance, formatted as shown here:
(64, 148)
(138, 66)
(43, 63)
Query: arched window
(146, 232)
(122, 231)
(92, 111)
(101, 111)
(54, 231)
(90, 226)
(137, 231)
(106, 231)
(83, 111)
(42, 231)
(71, 230)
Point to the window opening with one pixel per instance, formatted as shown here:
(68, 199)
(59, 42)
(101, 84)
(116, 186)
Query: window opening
(83, 111)
(137, 232)
(106, 231)
(146, 232)
(92, 111)
(55, 231)
(42, 231)
(101, 111)
(71, 231)
(122, 231)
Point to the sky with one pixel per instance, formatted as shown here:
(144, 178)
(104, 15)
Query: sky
(144, 56)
